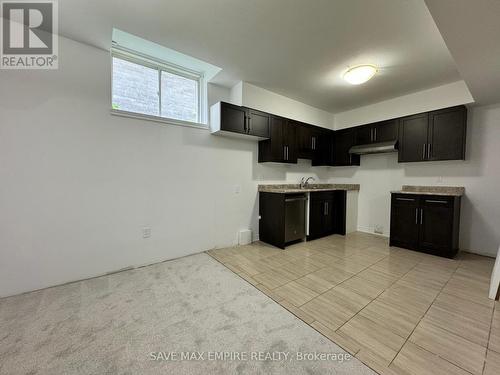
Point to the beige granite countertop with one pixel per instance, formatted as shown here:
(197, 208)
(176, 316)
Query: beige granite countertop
(454, 191)
(295, 188)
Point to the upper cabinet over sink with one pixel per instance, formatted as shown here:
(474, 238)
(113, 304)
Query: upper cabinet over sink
(233, 120)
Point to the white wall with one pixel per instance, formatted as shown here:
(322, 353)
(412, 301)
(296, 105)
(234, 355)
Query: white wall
(78, 184)
(448, 95)
(480, 174)
(265, 100)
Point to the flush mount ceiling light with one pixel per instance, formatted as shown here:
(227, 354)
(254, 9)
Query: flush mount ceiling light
(360, 74)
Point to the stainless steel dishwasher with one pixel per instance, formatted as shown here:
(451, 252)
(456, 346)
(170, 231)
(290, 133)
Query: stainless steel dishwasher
(295, 217)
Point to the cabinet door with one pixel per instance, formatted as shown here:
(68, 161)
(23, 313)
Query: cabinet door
(289, 141)
(385, 131)
(258, 123)
(364, 134)
(328, 218)
(413, 138)
(344, 140)
(436, 225)
(447, 130)
(233, 118)
(405, 216)
(304, 141)
(323, 148)
(339, 211)
(316, 213)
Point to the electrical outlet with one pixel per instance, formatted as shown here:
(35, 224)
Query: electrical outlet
(146, 232)
(379, 229)
(237, 189)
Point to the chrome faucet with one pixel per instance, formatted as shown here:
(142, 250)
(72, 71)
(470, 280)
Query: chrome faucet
(304, 182)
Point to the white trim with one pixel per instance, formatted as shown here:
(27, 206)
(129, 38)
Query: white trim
(163, 120)
(371, 230)
(152, 62)
(164, 66)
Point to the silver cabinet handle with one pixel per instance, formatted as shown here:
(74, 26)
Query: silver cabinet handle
(296, 199)
(421, 216)
(435, 201)
(416, 215)
(284, 152)
(375, 133)
(249, 119)
(423, 151)
(406, 199)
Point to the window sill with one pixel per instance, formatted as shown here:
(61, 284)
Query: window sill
(163, 120)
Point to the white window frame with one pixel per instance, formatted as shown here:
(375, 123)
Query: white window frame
(153, 63)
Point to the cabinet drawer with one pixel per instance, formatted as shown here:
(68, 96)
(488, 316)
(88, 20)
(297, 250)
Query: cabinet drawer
(321, 195)
(405, 199)
(436, 200)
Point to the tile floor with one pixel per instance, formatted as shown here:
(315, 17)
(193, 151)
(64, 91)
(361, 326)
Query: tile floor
(398, 311)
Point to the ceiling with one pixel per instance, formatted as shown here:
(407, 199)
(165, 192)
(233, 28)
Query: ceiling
(471, 30)
(297, 48)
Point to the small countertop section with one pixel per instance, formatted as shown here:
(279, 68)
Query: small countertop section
(295, 188)
(452, 191)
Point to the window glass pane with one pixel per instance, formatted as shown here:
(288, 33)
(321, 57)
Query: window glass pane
(135, 88)
(179, 97)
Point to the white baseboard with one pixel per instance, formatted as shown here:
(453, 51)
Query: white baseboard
(371, 231)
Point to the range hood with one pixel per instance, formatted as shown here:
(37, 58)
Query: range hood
(374, 148)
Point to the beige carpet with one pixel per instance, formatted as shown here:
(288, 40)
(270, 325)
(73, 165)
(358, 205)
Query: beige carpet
(112, 324)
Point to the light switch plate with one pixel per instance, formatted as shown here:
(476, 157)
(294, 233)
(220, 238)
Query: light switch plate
(146, 232)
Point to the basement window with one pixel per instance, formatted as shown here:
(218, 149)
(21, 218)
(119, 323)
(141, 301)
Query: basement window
(153, 82)
(148, 88)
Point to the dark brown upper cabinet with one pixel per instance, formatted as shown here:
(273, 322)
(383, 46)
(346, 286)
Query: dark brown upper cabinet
(258, 123)
(447, 132)
(323, 153)
(436, 135)
(304, 141)
(413, 138)
(343, 140)
(364, 134)
(314, 143)
(383, 131)
(230, 119)
(281, 146)
(429, 136)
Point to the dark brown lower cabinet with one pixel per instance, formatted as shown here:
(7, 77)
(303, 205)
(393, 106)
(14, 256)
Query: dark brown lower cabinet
(327, 212)
(427, 223)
